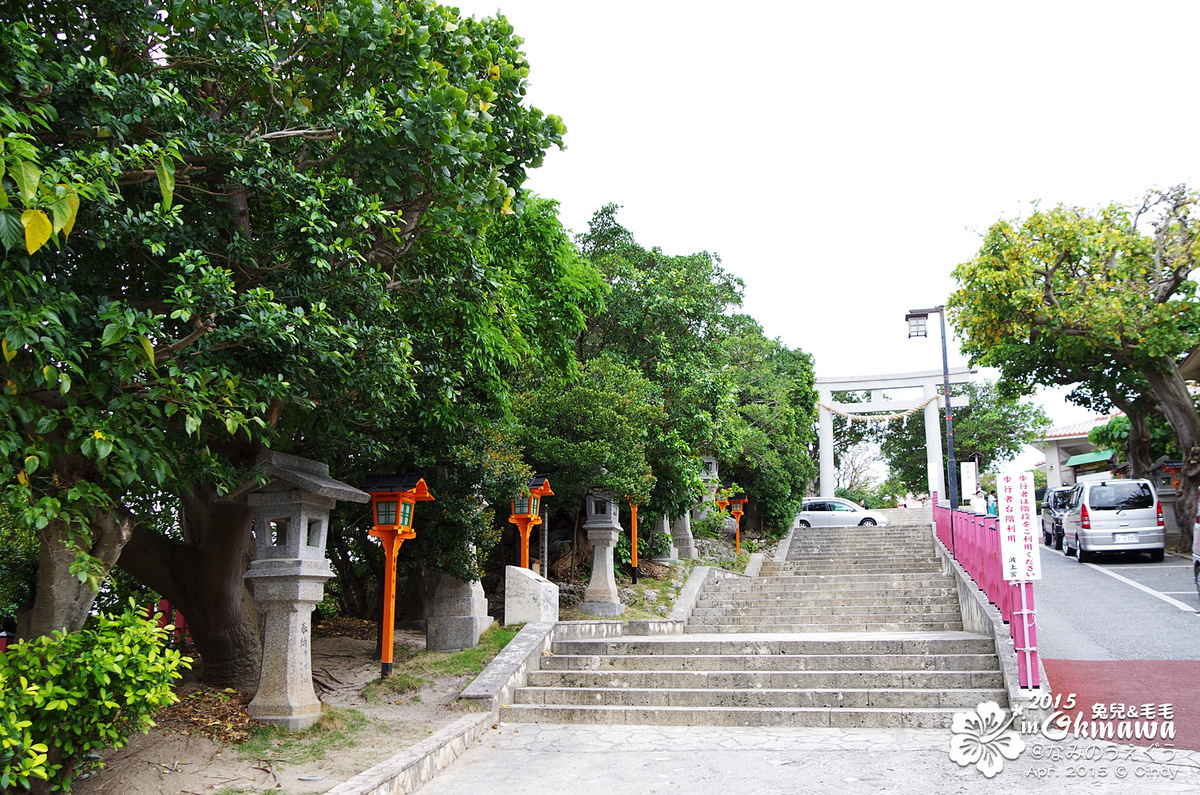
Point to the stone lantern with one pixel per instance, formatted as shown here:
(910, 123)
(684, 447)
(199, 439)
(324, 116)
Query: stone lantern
(287, 578)
(603, 529)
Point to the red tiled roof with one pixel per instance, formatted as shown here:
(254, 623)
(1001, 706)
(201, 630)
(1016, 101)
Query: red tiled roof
(1078, 428)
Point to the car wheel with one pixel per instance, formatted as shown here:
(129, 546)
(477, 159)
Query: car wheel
(1058, 540)
(803, 523)
(1047, 538)
(1080, 555)
(867, 523)
(1157, 555)
(1068, 550)
(1196, 577)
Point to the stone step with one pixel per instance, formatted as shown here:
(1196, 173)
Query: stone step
(767, 680)
(905, 642)
(924, 579)
(770, 662)
(705, 698)
(829, 584)
(860, 596)
(790, 626)
(944, 605)
(880, 718)
(839, 564)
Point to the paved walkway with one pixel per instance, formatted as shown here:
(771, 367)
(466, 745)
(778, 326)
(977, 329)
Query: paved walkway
(547, 759)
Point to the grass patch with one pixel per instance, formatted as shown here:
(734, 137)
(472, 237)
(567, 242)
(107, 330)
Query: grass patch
(458, 663)
(397, 683)
(337, 728)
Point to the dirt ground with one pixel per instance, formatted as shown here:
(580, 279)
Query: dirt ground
(176, 756)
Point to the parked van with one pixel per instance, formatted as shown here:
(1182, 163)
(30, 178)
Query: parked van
(1113, 516)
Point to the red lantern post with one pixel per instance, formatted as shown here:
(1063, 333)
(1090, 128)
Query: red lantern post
(526, 510)
(393, 503)
(737, 501)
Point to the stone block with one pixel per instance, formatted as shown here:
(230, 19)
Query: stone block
(528, 598)
(455, 633)
(459, 615)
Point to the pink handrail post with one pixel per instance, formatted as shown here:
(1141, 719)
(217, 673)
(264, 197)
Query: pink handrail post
(976, 546)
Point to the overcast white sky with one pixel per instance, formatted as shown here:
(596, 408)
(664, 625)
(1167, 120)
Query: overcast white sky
(842, 158)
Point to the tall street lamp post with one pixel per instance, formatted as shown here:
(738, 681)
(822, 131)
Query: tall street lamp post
(917, 327)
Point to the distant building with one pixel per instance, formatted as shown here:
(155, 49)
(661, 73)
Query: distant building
(1069, 454)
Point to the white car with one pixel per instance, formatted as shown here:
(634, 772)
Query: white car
(836, 512)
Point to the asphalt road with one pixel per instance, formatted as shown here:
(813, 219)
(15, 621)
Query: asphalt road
(1117, 608)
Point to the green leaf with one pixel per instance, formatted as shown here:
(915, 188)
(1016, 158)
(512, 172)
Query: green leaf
(64, 211)
(113, 333)
(27, 176)
(12, 233)
(165, 169)
(148, 347)
(37, 229)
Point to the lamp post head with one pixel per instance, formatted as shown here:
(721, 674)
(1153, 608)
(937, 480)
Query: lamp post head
(393, 500)
(917, 324)
(528, 503)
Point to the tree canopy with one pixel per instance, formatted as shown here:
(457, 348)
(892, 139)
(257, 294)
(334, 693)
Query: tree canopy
(259, 218)
(1068, 291)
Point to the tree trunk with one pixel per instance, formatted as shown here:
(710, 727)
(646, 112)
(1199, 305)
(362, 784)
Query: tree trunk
(351, 588)
(203, 579)
(1180, 411)
(1137, 446)
(62, 601)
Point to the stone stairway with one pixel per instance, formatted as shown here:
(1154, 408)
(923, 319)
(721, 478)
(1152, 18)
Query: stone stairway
(859, 627)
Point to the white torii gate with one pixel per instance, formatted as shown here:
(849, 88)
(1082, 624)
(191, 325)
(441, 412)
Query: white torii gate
(929, 382)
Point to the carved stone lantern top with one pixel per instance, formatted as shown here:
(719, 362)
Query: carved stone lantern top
(291, 512)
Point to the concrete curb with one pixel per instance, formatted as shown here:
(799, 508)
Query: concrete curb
(755, 564)
(408, 770)
(781, 551)
(981, 617)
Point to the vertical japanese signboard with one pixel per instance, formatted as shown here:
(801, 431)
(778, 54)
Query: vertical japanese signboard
(1018, 527)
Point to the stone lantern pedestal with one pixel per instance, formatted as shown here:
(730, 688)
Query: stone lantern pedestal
(602, 528)
(287, 578)
(459, 615)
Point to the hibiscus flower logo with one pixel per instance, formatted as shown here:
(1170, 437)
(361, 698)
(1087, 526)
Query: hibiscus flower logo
(983, 738)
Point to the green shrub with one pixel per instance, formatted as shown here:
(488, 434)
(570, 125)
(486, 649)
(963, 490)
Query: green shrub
(651, 543)
(710, 526)
(70, 694)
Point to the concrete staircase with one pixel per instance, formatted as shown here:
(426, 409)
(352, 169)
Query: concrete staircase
(859, 627)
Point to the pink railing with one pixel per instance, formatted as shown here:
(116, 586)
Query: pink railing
(168, 615)
(974, 541)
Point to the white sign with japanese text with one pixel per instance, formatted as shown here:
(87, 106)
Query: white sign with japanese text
(1018, 527)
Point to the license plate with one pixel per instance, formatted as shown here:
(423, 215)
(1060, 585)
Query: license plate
(1125, 538)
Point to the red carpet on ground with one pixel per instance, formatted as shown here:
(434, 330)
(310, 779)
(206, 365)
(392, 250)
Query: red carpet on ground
(1136, 683)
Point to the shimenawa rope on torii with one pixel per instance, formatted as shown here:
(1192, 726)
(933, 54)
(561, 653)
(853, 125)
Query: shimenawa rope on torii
(878, 417)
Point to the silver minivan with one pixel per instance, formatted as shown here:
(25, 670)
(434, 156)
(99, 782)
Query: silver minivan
(1113, 516)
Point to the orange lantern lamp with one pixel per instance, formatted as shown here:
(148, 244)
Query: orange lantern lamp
(738, 502)
(393, 503)
(526, 511)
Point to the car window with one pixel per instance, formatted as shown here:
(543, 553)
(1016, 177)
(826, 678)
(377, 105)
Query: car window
(814, 506)
(1059, 499)
(840, 506)
(1119, 496)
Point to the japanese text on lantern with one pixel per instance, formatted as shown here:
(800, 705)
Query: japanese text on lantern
(1018, 539)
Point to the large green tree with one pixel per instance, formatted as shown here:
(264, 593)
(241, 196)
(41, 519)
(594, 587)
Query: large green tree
(667, 317)
(267, 194)
(776, 408)
(1111, 287)
(989, 430)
